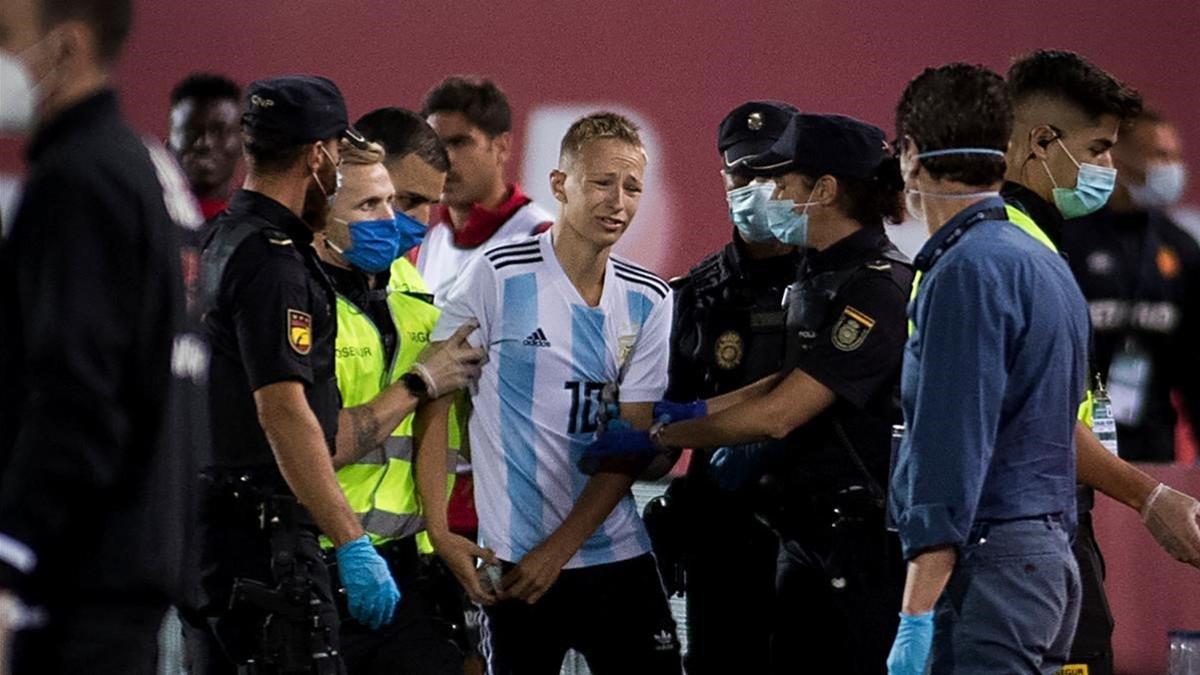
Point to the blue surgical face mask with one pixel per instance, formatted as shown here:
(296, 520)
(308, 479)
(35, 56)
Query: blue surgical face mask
(747, 210)
(786, 225)
(1093, 186)
(410, 230)
(373, 245)
(1165, 183)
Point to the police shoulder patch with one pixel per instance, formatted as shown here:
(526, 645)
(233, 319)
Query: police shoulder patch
(299, 326)
(851, 329)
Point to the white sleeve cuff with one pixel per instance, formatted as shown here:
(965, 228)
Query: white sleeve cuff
(17, 554)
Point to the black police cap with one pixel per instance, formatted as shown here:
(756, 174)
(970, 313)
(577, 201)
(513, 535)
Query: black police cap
(824, 144)
(303, 108)
(751, 129)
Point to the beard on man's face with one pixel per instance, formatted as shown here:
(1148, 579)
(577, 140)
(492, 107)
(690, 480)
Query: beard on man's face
(315, 212)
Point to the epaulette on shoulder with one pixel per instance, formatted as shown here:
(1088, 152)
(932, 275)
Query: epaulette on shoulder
(276, 236)
(710, 274)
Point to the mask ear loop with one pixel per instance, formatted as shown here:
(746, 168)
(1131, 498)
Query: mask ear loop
(39, 91)
(320, 185)
(1069, 155)
(318, 178)
(329, 244)
(1046, 167)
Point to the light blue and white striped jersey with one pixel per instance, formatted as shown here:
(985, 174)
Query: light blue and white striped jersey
(535, 407)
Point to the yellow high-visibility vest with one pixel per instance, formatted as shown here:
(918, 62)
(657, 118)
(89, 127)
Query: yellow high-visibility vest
(381, 486)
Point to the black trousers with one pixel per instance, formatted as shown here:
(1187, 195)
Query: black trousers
(615, 615)
(100, 639)
(225, 633)
(1093, 636)
(730, 580)
(413, 643)
(838, 602)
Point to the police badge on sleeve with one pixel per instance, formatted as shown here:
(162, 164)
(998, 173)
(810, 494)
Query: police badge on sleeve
(299, 331)
(851, 329)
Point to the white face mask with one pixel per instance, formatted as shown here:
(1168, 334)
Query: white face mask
(1165, 183)
(17, 97)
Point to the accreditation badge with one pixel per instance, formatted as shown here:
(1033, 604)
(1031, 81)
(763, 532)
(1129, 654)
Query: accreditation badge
(1128, 382)
(851, 329)
(299, 326)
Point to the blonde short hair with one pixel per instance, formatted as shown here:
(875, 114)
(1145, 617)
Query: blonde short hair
(597, 126)
(373, 154)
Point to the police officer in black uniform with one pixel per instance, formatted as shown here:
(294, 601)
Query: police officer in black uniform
(269, 311)
(830, 407)
(103, 371)
(728, 332)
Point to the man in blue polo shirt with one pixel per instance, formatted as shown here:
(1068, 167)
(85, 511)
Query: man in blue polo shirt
(983, 488)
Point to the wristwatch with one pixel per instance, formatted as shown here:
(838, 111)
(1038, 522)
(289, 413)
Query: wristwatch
(415, 384)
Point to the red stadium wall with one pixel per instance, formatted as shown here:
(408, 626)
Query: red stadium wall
(677, 66)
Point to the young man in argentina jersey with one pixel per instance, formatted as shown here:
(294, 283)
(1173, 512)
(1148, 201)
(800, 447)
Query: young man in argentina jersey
(560, 318)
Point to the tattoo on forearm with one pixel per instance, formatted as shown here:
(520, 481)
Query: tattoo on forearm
(366, 429)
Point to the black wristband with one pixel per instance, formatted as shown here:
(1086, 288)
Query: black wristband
(415, 385)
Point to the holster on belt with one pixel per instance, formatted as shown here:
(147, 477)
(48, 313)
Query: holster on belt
(294, 637)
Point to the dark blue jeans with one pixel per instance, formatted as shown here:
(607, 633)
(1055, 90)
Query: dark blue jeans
(1012, 602)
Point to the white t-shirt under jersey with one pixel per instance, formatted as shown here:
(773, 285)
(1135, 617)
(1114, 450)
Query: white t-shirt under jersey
(535, 407)
(440, 262)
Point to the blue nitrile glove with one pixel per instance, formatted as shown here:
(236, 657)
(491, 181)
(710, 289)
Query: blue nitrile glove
(675, 411)
(370, 590)
(910, 651)
(732, 465)
(618, 450)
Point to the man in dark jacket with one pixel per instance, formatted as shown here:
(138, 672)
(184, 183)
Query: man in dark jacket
(101, 376)
(1140, 273)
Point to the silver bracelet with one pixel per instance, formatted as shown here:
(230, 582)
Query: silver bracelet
(656, 431)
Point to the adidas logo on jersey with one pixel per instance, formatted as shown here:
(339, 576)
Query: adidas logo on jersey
(537, 339)
(665, 640)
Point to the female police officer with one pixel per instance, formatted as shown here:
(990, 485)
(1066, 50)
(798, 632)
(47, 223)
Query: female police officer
(832, 405)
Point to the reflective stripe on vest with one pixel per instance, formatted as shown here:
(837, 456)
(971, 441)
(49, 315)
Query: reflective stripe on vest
(1028, 226)
(381, 486)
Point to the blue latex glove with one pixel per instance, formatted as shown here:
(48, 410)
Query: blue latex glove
(910, 651)
(370, 589)
(675, 411)
(731, 466)
(619, 449)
